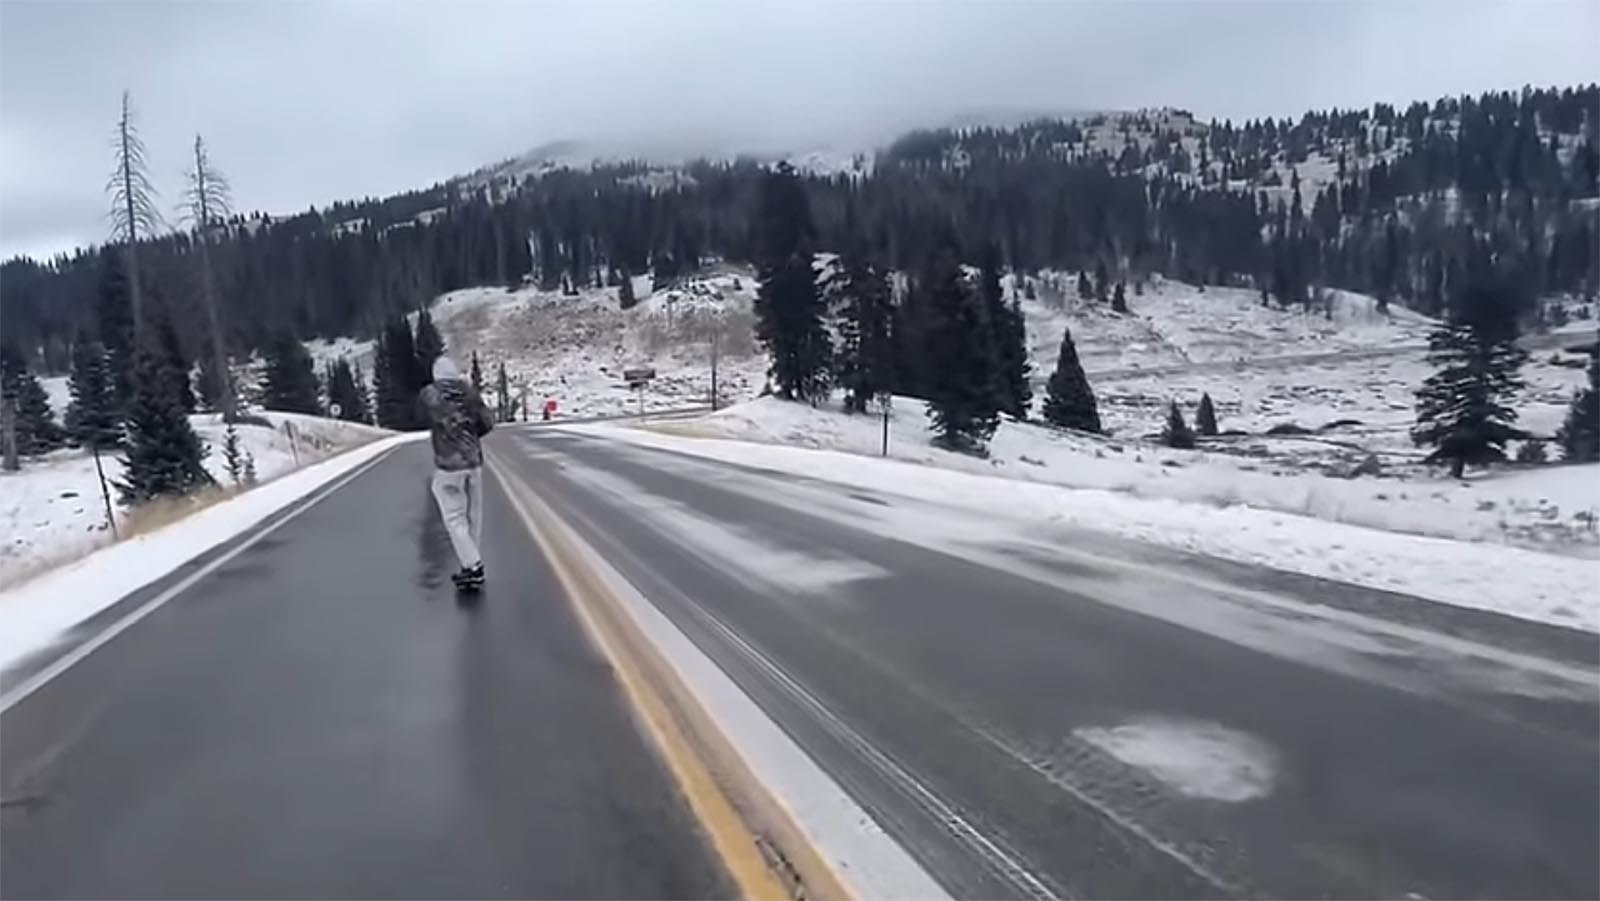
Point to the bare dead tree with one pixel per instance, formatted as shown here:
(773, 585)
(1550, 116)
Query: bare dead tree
(208, 202)
(133, 209)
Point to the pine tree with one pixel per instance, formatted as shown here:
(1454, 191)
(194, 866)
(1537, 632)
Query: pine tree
(1085, 290)
(1177, 433)
(384, 402)
(1462, 410)
(291, 384)
(1119, 299)
(163, 455)
(36, 428)
(477, 375)
(865, 363)
(961, 395)
(503, 389)
(429, 347)
(1069, 401)
(170, 352)
(1102, 279)
(133, 211)
(1532, 452)
(625, 296)
(232, 454)
(93, 416)
(114, 324)
(1579, 435)
(347, 397)
(1008, 337)
(1205, 418)
(788, 307)
(399, 377)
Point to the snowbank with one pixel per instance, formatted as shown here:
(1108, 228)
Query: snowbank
(34, 613)
(1137, 494)
(52, 510)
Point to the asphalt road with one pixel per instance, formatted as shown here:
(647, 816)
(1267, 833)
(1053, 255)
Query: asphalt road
(951, 673)
(1030, 712)
(322, 718)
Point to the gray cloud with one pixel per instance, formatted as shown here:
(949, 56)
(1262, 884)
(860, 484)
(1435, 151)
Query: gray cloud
(304, 102)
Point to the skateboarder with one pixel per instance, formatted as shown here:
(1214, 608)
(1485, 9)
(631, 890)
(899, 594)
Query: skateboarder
(459, 420)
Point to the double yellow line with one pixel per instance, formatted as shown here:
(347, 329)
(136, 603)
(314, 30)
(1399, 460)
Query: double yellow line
(764, 850)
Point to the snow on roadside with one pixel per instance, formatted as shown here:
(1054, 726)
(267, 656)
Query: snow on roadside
(1554, 508)
(52, 510)
(35, 613)
(1509, 580)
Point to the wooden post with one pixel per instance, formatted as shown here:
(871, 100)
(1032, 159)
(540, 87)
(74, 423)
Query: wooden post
(8, 432)
(886, 402)
(716, 340)
(105, 490)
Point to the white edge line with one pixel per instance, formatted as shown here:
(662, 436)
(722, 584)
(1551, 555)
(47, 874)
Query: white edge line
(867, 859)
(66, 661)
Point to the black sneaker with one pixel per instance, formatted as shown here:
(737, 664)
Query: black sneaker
(469, 577)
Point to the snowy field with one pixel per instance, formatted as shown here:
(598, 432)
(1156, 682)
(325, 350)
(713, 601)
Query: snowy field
(1349, 380)
(1556, 588)
(52, 510)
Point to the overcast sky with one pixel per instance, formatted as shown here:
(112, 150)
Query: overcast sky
(303, 102)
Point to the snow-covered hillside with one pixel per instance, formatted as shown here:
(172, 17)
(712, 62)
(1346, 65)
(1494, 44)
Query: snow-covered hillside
(52, 510)
(573, 349)
(1269, 367)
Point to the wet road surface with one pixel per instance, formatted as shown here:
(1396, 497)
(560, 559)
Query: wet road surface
(1030, 712)
(323, 718)
(1053, 713)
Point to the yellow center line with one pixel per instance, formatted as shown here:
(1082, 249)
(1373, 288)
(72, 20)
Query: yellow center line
(649, 690)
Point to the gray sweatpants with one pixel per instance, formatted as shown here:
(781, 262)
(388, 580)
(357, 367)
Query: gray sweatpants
(460, 497)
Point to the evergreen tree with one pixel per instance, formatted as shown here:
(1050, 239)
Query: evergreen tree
(114, 322)
(232, 454)
(1462, 409)
(1069, 401)
(1008, 338)
(1085, 290)
(93, 416)
(503, 389)
(163, 455)
(291, 384)
(36, 428)
(400, 377)
(1205, 418)
(859, 290)
(429, 347)
(625, 297)
(346, 392)
(1177, 433)
(169, 350)
(1532, 452)
(477, 375)
(1579, 435)
(961, 395)
(384, 394)
(788, 307)
(1102, 279)
(1119, 299)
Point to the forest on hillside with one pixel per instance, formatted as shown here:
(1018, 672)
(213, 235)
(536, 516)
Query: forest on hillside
(1391, 202)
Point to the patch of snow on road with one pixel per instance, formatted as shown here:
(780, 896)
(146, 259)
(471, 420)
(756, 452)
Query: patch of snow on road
(1196, 759)
(735, 550)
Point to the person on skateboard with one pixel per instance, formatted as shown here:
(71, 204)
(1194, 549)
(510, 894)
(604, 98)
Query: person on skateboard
(458, 419)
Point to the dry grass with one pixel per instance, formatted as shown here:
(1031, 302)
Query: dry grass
(161, 512)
